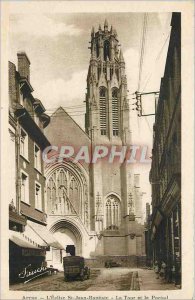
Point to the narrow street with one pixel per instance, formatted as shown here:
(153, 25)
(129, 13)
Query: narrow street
(115, 279)
(100, 280)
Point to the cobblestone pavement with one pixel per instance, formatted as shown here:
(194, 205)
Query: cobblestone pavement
(100, 280)
(114, 279)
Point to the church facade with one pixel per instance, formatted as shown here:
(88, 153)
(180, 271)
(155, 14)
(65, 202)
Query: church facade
(94, 209)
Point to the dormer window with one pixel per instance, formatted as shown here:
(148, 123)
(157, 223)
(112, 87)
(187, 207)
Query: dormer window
(21, 98)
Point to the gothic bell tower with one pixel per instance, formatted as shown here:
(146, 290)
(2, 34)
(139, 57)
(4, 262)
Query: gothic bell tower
(107, 123)
(107, 109)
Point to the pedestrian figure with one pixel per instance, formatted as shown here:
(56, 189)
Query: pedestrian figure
(163, 270)
(156, 269)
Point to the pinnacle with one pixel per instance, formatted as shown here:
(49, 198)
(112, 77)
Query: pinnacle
(106, 23)
(100, 27)
(121, 58)
(92, 30)
(114, 31)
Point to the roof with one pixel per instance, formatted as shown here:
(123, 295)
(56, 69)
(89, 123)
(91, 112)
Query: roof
(61, 110)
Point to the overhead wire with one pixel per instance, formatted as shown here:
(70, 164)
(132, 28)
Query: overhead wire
(141, 58)
(157, 58)
(142, 48)
(73, 114)
(142, 52)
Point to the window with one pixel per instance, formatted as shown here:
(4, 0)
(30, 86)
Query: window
(112, 213)
(38, 198)
(106, 50)
(37, 158)
(64, 193)
(24, 188)
(11, 166)
(103, 111)
(24, 144)
(115, 112)
(97, 49)
(21, 98)
(111, 71)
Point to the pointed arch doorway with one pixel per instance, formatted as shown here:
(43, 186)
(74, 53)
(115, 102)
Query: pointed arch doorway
(70, 237)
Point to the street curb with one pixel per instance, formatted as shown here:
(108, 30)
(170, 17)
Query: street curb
(135, 282)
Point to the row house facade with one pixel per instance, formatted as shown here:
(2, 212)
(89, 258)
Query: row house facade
(165, 174)
(28, 237)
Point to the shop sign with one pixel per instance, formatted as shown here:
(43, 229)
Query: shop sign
(33, 252)
(29, 273)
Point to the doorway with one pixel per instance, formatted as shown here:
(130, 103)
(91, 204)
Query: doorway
(71, 250)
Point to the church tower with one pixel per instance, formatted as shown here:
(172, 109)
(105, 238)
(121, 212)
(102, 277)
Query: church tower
(91, 206)
(107, 109)
(107, 123)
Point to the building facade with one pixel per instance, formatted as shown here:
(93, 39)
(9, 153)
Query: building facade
(95, 208)
(148, 244)
(165, 175)
(28, 236)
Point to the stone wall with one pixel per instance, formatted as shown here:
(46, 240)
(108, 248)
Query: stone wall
(124, 261)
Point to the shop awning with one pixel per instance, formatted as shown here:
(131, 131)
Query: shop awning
(31, 234)
(21, 240)
(44, 234)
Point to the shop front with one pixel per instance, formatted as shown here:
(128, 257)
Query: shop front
(27, 252)
(25, 257)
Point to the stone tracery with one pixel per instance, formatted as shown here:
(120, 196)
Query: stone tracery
(112, 212)
(67, 193)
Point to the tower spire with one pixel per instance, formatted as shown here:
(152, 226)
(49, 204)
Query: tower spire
(100, 27)
(106, 25)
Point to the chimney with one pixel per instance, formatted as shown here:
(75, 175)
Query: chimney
(23, 65)
(12, 85)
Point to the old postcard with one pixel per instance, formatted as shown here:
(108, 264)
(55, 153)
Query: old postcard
(97, 150)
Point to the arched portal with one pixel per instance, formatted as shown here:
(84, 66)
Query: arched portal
(68, 233)
(70, 237)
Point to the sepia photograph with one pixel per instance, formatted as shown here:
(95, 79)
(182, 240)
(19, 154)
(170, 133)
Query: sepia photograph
(93, 128)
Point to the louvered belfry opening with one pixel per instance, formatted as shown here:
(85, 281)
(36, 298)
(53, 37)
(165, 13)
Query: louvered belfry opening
(103, 111)
(115, 112)
(106, 50)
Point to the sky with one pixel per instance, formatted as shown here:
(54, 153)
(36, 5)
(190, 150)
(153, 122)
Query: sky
(57, 46)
